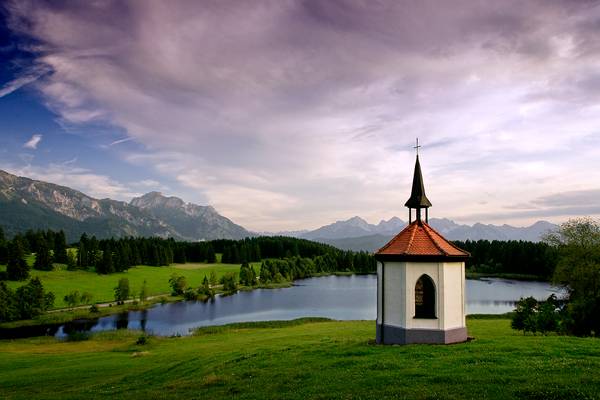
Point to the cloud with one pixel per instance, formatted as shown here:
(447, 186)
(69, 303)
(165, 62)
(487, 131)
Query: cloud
(115, 142)
(25, 78)
(71, 161)
(33, 142)
(294, 114)
(84, 180)
(589, 197)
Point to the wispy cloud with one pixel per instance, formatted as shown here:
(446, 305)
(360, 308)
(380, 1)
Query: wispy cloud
(124, 140)
(69, 162)
(33, 142)
(25, 78)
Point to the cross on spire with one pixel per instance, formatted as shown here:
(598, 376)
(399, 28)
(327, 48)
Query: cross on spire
(417, 146)
(418, 199)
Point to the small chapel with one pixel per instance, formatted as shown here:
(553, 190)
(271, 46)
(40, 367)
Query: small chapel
(420, 280)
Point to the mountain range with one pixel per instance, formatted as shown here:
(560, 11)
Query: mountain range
(30, 204)
(357, 234)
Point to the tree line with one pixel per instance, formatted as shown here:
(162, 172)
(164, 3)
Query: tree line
(511, 256)
(115, 255)
(107, 256)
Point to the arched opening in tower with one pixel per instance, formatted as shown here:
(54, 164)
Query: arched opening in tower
(425, 298)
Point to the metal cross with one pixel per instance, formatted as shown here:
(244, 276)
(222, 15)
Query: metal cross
(417, 146)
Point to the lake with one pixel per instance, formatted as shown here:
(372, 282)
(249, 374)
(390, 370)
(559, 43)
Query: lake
(336, 297)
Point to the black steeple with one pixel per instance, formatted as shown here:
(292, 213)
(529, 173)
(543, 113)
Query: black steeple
(418, 199)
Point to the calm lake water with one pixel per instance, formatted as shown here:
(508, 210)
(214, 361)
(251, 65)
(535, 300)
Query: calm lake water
(336, 297)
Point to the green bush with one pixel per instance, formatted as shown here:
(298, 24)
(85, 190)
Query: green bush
(142, 340)
(229, 282)
(178, 284)
(190, 294)
(533, 316)
(122, 290)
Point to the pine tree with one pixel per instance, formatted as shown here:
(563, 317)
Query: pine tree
(43, 259)
(17, 268)
(93, 250)
(105, 265)
(60, 248)
(257, 256)
(82, 255)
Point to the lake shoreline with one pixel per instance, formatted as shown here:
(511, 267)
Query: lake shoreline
(83, 314)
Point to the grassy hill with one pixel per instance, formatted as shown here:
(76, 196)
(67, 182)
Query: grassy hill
(300, 360)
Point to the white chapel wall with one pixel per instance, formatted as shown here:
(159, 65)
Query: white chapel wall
(454, 292)
(400, 280)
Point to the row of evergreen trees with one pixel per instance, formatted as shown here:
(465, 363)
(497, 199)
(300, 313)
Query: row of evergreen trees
(511, 256)
(115, 255)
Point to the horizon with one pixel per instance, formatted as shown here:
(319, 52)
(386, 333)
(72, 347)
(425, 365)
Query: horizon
(286, 116)
(371, 222)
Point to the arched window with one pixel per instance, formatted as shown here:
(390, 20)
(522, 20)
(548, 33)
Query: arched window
(425, 298)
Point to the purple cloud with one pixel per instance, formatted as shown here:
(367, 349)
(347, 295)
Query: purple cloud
(287, 115)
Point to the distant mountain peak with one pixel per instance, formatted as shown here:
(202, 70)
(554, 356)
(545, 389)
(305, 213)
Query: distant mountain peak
(157, 199)
(191, 220)
(356, 220)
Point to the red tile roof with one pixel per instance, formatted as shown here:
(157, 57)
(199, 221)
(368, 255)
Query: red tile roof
(420, 240)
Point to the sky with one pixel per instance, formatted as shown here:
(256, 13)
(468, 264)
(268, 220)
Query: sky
(288, 115)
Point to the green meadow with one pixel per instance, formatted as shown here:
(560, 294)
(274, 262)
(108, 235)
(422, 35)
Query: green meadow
(302, 359)
(61, 282)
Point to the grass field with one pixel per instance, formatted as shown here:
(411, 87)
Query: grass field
(61, 282)
(321, 360)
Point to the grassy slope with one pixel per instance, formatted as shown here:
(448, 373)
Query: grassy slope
(61, 282)
(314, 360)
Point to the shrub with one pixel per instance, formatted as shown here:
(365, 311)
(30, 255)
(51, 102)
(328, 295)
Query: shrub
(178, 284)
(248, 275)
(190, 294)
(73, 298)
(122, 290)
(533, 316)
(86, 297)
(229, 281)
(142, 340)
(94, 308)
(71, 260)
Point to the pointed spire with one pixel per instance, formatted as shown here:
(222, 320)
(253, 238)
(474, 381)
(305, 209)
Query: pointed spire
(418, 199)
